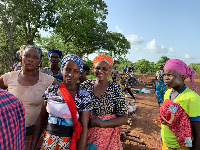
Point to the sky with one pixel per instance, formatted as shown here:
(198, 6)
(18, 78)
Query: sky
(157, 28)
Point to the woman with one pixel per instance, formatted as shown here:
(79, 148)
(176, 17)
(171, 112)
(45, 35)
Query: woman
(180, 113)
(160, 85)
(54, 56)
(129, 79)
(109, 108)
(28, 85)
(65, 103)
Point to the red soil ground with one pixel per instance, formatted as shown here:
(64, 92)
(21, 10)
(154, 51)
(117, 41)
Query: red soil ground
(143, 120)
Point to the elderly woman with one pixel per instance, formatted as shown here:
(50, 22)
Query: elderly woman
(54, 56)
(109, 108)
(66, 104)
(28, 85)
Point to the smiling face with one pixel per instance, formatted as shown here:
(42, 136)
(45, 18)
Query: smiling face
(70, 72)
(54, 58)
(173, 79)
(30, 59)
(102, 70)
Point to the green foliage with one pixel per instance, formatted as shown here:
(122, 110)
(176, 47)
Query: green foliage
(195, 67)
(161, 61)
(143, 66)
(82, 23)
(116, 45)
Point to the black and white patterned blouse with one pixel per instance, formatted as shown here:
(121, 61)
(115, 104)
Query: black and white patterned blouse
(57, 108)
(112, 101)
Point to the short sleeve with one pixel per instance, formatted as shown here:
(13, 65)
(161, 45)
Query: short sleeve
(194, 105)
(51, 91)
(120, 104)
(84, 100)
(6, 77)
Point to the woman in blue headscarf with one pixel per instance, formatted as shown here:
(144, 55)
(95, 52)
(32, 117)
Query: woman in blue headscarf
(65, 105)
(54, 56)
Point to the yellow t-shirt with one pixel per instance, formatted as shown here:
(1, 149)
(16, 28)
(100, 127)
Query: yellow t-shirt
(190, 102)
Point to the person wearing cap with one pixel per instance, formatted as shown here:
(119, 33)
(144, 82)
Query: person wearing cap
(54, 56)
(180, 113)
(109, 111)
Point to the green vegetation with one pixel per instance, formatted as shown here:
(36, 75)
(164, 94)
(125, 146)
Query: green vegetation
(76, 27)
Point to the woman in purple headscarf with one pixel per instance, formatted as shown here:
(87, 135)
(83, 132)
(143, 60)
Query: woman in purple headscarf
(180, 113)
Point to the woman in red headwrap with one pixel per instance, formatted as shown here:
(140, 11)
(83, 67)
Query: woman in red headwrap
(109, 108)
(180, 113)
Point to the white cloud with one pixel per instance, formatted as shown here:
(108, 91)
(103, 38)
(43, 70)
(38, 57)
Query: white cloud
(135, 39)
(118, 29)
(153, 47)
(187, 56)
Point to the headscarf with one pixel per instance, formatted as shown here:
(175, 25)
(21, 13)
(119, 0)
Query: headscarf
(54, 51)
(180, 67)
(26, 47)
(105, 58)
(74, 58)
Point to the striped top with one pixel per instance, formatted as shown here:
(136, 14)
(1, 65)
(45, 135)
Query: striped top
(12, 122)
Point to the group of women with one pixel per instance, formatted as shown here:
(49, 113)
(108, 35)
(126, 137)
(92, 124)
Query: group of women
(90, 115)
(71, 116)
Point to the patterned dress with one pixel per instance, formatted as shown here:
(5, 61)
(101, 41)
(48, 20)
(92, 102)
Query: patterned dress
(160, 86)
(108, 106)
(60, 121)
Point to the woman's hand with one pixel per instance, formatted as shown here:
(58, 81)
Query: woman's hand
(96, 122)
(116, 122)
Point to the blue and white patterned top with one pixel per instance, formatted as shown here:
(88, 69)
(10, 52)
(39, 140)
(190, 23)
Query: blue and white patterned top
(57, 108)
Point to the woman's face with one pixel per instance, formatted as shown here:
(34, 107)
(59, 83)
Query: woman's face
(54, 58)
(30, 59)
(71, 72)
(102, 70)
(173, 79)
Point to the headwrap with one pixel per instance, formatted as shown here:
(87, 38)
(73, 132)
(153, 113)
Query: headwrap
(105, 58)
(180, 67)
(54, 51)
(74, 58)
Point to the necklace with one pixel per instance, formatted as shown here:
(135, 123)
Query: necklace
(177, 94)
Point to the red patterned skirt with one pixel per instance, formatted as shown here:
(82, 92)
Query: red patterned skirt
(104, 138)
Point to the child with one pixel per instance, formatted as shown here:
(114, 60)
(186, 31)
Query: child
(180, 113)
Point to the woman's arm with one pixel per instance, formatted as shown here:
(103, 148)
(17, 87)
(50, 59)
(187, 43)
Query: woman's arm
(116, 122)
(39, 125)
(84, 120)
(55, 82)
(196, 134)
(2, 86)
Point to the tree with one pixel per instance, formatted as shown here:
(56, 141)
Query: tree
(82, 23)
(195, 67)
(116, 45)
(9, 11)
(28, 14)
(143, 66)
(162, 61)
